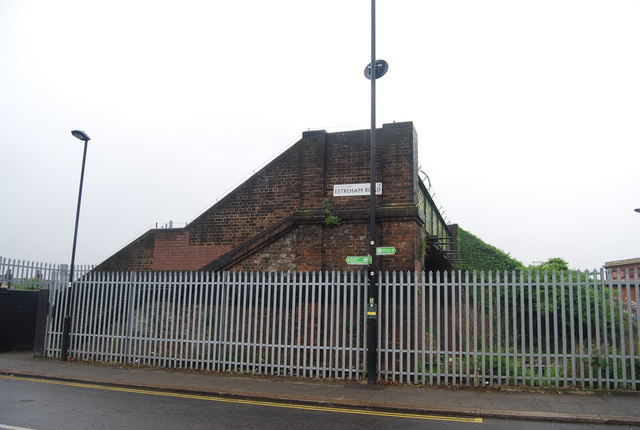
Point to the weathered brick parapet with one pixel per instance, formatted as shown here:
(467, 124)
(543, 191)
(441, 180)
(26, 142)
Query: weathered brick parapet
(312, 254)
(275, 219)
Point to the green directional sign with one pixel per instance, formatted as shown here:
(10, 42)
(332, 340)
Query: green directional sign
(385, 250)
(358, 260)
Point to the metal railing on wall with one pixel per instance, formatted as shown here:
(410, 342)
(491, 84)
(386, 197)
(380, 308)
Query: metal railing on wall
(435, 227)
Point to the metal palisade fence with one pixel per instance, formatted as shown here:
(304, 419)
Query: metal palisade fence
(492, 329)
(29, 275)
(458, 329)
(297, 324)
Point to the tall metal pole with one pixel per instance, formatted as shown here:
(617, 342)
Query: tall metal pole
(372, 326)
(75, 232)
(66, 327)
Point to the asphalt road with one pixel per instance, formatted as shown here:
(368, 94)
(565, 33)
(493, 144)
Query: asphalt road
(46, 405)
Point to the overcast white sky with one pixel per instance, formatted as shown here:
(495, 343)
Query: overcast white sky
(527, 112)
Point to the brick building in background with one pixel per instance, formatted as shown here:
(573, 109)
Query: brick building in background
(631, 265)
(276, 219)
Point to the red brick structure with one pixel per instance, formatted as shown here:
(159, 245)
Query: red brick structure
(631, 264)
(276, 220)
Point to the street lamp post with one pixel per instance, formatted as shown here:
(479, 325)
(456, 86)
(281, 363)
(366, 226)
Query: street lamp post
(373, 71)
(66, 328)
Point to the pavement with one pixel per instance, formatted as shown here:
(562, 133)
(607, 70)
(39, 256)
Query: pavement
(593, 407)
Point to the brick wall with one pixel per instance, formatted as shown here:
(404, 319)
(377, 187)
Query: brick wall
(631, 265)
(290, 182)
(18, 312)
(274, 220)
(297, 250)
(138, 255)
(171, 251)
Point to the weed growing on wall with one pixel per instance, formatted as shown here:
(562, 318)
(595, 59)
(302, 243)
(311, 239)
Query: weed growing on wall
(329, 218)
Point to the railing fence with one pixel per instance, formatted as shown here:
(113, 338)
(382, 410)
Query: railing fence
(296, 324)
(29, 275)
(456, 329)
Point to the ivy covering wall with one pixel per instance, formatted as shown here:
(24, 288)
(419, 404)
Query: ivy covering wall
(477, 255)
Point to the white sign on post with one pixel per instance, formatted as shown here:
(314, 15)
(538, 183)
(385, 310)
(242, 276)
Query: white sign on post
(347, 190)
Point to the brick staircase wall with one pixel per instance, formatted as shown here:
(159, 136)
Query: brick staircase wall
(274, 220)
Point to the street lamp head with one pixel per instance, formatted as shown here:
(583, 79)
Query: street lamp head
(80, 135)
(637, 210)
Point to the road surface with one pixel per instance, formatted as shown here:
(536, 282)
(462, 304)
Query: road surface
(40, 404)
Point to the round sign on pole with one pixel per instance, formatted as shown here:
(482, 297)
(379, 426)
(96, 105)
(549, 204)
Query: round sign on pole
(381, 68)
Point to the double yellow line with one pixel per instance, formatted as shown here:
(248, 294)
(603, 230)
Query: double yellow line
(248, 402)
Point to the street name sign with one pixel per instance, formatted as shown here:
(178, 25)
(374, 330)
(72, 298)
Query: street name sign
(385, 250)
(358, 260)
(346, 190)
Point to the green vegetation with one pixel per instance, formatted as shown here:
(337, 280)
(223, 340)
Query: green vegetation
(478, 255)
(549, 298)
(552, 264)
(28, 284)
(329, 218)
